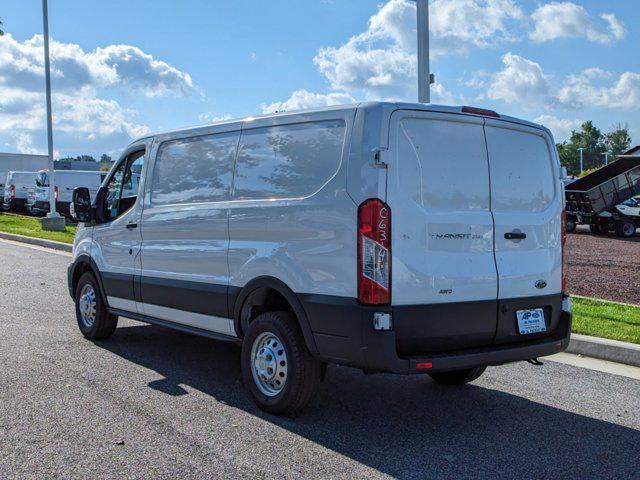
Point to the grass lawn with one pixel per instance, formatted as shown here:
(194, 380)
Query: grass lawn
(30, 227)
(600, 318)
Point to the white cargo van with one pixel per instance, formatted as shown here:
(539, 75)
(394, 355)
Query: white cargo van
(16, 190)
(401, 238)
(66, 182)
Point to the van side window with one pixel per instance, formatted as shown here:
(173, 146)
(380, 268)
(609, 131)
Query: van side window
(122, 189)
(289, 161)
(194, 170)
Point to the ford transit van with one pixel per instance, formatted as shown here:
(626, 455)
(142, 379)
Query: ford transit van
(17, 187)
(398, 238)
(66, 181)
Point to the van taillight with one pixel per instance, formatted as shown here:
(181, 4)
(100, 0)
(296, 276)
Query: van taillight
(55, 193)
(12, 191)
(564, 241)
(374, 253)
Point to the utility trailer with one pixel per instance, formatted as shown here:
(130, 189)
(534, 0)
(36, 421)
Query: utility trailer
(595, 200)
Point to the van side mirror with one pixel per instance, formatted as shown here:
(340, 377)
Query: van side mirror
(81, 205)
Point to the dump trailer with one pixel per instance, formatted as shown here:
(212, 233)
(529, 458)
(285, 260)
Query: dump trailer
(595, 199)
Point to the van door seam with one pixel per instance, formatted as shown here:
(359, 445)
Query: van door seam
(493, 220)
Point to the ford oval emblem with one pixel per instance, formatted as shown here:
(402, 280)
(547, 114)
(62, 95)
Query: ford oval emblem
(540, 284)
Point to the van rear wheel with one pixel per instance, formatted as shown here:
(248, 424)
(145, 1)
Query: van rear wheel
(458, 377)
(94, 320)
(277, 367)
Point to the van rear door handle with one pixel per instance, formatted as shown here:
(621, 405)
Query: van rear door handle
(515, 236)
(131, 226)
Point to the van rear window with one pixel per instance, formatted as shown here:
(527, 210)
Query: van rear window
(442, 164)
(289, 161)
(522, 178)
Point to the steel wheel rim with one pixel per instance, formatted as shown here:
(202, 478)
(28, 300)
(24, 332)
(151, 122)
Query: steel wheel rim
(269, 364)
(628, 229)
(87, 306)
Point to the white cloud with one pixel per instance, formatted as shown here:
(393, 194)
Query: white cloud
(24, 144)
(302, 99)
(116, 66)
(560, 127)
(79, 79)
(210, 117)
(521, 81)
(524, 82)
(583, 90)
(381, 61)
(568, 20)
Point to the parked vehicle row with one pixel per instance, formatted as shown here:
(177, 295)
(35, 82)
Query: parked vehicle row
(345, 235)
(66, 181)
(28, 192)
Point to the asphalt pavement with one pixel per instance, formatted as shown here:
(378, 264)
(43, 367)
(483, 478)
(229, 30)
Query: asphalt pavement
(152, 403)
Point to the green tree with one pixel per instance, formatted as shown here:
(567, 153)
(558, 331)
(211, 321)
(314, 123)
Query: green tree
(105, 158)
(588, 137)
(617, 141)
(1, 31)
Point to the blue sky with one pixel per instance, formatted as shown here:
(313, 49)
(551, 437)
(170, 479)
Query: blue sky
(122, 69)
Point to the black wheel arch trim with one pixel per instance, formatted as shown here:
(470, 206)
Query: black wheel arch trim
(86, 259)
(288, 294)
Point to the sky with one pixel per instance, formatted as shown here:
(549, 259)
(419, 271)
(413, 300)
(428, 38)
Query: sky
(122, 69)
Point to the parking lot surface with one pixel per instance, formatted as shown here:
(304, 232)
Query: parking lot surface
(152, 403)
(603, 266)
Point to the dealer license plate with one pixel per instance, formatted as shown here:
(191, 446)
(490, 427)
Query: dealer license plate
(531, 321)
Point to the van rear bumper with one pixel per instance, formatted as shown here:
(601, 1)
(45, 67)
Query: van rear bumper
(344, 334)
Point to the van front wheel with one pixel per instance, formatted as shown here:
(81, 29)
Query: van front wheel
(277, 367)
(94, 320)
(458, 377)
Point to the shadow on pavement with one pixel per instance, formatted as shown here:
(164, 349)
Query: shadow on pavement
(407, 427)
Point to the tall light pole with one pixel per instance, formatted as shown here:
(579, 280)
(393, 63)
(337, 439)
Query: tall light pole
(582, 149)
(53, 220)
(424, 75)
(606, 158)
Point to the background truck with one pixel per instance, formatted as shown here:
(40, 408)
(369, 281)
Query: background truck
(597, 199)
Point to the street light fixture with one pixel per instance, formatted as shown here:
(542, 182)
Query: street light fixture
(53, 221)
(581, 149)
(424, 75)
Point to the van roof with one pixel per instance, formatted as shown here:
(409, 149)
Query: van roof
(388, 106)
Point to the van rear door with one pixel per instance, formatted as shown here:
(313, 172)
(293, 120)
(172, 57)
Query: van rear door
(526, 202)
(444, 279)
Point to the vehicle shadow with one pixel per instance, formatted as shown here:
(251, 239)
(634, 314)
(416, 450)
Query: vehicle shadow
(406, 427)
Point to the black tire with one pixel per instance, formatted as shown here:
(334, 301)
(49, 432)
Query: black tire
(458, 377)
(570, 225)
(625, 229)
(303, 370)
(104, 324)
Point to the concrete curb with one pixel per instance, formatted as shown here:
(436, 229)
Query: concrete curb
(605, 349)
(64, 247)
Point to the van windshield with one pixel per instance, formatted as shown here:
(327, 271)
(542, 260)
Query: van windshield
(42, 180)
